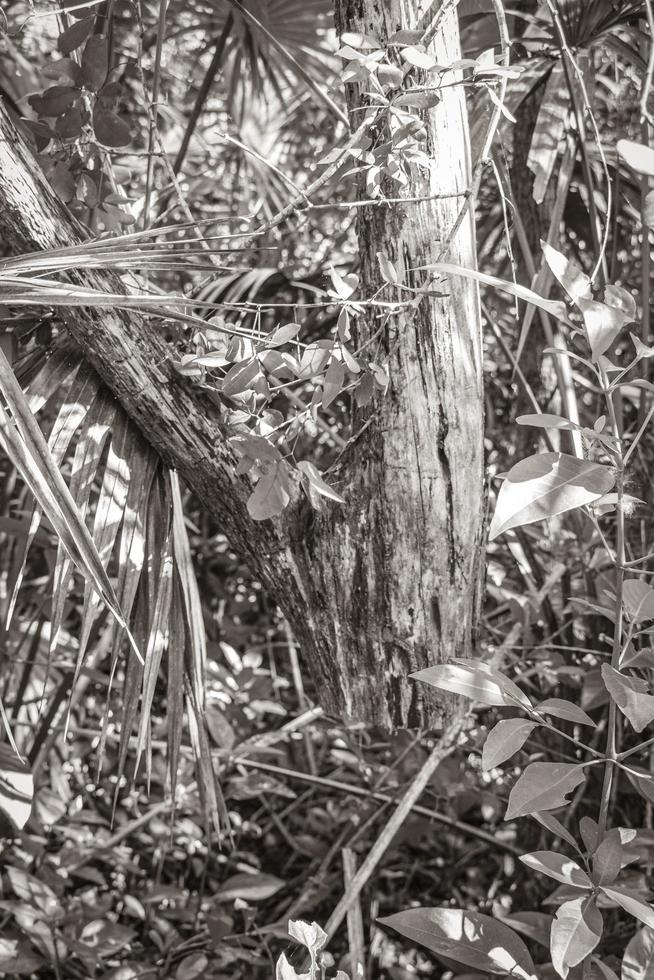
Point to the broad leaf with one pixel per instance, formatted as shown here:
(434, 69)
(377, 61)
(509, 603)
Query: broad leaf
(545, 485)
(474, 680)
(313, 481)
(607, 859)
(16, 787)
(543, 786)
(271, 494)
(504, 740)
(554, 825)
(566, 710)
(307, 934)
(557, 866)
(632, 904)
(637, 156)
(638, 600)
(643, 782)
(575, 282)
(248, 887)
(533, 925)
(630, 695)
(476, 940)
(603, 321)
(554, 307)
(638, 959)
(603, 324)
(576, 931)
(543, 420)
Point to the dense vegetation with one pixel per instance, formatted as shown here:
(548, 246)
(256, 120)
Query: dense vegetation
(325, 489)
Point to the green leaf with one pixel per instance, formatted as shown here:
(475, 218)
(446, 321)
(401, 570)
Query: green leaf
(308, 934)
(75, 35)
(603, 324)
(419, 58)
(555, 308)
(109, 128)
(632, 904)
(630, 695)
(249, 887)
(638, 959)
(16, 787)
(271, 494)
(557, 866)
(475, 680)
(240, 377)
(543, 786)
(476, 940)
(534, 925)
(554, 825)
(546, 485)
(603, 321)
(333, 383)
(388, 270)
(95, 62)
(543, 420)
(312, 479)
(637, 156)
(576, 931)
(560, 708)
(504, 740)
(638, 600)
(607, 859)
(573, 279)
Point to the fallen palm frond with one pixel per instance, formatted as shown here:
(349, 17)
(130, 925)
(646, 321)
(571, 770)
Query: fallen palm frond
(119, 521)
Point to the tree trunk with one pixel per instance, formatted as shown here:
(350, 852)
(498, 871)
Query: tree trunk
(398, 572)
(388, 582)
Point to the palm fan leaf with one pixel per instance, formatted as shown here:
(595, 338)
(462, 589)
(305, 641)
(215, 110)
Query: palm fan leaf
(130, 507)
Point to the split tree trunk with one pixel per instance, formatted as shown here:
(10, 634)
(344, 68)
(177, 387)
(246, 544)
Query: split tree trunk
(387, 583)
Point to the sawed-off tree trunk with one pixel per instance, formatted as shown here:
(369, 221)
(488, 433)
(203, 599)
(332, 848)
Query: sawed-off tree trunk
(388, 582)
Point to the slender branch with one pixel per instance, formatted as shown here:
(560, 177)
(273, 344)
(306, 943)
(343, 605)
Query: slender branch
(203, 92)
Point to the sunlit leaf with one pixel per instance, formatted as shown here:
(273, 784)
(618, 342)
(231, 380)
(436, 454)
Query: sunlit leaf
(546, 485)
(16, 787)
(475, 680)
(567, 710)
(576, 931)
(543, 786)
(633, 904)
(249, 887)
(638, 959)
(504, 740)
(637, 156)
(557, 866)
(630, 695)
(476, 940)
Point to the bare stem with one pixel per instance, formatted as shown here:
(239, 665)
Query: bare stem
(611, 748)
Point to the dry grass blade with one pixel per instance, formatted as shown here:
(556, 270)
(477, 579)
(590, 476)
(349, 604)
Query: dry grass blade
(157, 629)
(109, 512)
(69, 418)
(25, 445)
(189, 591)
(23, 291)
(175, 691)
(131, 548)
(84, 470)
(210, 790)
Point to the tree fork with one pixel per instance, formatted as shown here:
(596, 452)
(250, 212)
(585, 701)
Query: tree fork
(388, 582)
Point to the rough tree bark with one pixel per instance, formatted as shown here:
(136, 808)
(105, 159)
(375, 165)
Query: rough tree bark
(387, 583)
(410, 537)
